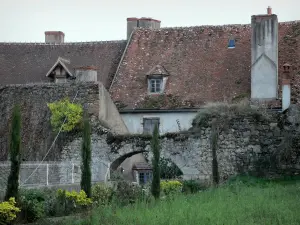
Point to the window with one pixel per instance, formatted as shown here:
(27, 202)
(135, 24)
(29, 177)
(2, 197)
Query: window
(149, 124)
(231, 43)
(155, 85)
(145, 177)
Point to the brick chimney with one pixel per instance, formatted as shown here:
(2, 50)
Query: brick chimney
(54, 37)
(143, 22)
(286, 87)
(269, 10)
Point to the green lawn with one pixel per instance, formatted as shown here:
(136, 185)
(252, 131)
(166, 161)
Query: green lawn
(243, 202)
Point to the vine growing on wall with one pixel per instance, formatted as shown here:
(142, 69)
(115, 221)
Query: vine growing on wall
(65, 110)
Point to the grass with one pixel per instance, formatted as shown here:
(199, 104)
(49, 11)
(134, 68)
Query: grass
(245, 200)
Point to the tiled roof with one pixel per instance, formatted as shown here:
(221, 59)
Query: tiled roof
(29, 62)
(142, 166)
(202, 69)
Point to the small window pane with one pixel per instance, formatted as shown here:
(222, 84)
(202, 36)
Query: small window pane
(149, 124)
(155, 85)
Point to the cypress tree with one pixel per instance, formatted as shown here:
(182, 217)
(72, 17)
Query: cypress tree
(214, 146)
(86, 174)
(15, 155)
(155, 147)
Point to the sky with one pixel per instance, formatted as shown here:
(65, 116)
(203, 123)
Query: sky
(99, 20)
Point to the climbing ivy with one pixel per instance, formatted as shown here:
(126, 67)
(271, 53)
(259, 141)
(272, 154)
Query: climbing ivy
(65, 109)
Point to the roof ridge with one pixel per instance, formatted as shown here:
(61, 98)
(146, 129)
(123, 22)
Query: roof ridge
(214, 26)
(67, 43)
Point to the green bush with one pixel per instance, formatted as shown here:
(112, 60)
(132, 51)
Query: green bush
(33, 204)
(171, 187)
(8, 211)
(192, 186)
(72, 201)
(101, 194)
(168, 169)
(127, 193)
(65, 109)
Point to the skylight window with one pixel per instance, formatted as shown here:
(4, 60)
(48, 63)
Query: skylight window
(231, 43)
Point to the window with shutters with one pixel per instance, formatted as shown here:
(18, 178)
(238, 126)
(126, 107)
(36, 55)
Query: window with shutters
(149, 124)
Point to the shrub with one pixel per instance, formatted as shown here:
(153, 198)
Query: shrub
(168, 169)
(8, 211)
(62, 110)
(171, 187)
(12, 189)
(101, 194)
(127, 193)
(192, 186)
(33, 204)
(72, 201)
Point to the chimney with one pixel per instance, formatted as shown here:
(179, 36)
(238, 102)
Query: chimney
(132, 23)
(54, 37)
(264, 57)
(143, 22)
(269, 10)
(286, 87)
(86, 74)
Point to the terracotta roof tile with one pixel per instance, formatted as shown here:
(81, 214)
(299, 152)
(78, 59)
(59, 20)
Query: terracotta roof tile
(29, 62)
(201, 66)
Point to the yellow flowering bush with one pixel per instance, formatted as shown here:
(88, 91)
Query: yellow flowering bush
(170, 187)
(65, 109)
(8, 211)
(79, 199)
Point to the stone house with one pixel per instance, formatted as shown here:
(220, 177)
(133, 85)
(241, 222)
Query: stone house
(165, 75)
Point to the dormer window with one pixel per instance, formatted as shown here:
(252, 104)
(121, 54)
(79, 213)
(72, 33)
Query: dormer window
(157, 78)
(155, 85)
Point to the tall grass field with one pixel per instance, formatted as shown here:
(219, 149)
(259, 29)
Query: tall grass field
(244, 201)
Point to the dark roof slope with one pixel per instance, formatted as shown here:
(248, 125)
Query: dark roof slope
(28, 62)
(202, 69)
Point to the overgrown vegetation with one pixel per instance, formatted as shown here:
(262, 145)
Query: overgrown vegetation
(64, 110)
(8, 211)
(171, 187)
(245, 200)
(155, 146)
(168, 169)
(224, 113)
(86, 155)
(12, 189)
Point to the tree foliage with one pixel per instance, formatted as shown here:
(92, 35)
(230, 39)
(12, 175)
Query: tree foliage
(168, 169)
(15, 155)
(214, 147)
(62, 110)
(155, 146)
(86, 156)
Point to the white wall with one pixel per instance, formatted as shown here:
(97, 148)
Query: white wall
(134, 121)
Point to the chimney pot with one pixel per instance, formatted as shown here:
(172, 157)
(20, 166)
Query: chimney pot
(269, 10)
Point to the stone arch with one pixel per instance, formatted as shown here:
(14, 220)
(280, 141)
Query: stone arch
(117, 162)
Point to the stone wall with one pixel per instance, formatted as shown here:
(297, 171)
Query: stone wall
(249, 144)
(37, 135)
